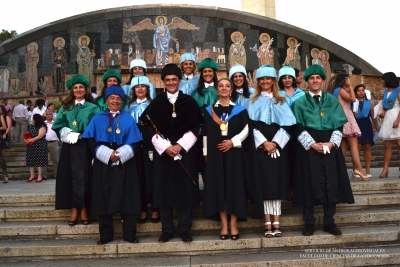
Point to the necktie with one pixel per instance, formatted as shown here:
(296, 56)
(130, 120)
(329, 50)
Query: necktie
(240, 91)
(78, 105)
(316, 97)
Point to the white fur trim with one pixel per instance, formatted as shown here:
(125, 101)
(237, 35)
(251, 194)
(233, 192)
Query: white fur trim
(125, 153)
(306, 140)
(187, 141)
(259, 138)
(160, 144)
(281, 138)
(103, 154)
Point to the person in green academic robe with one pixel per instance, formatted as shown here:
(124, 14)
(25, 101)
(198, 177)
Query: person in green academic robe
(321, 176)
(110, 78)
(74, 168)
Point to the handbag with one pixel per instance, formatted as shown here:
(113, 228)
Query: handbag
(381, 112)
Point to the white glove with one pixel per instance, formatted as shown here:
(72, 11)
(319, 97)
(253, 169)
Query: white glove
(151, 155)
(178, 157)
(73, 137)
(326, 149)
(275, 154)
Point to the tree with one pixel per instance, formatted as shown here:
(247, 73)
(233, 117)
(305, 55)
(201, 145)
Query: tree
(4, 35)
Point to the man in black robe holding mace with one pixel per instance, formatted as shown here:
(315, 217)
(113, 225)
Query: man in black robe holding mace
(174, 120)
(321, 175)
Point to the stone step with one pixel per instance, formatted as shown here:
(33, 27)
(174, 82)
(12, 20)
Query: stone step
(346, 256)
(21, 193)
(18, 176)
(12, 250)
(34, 227)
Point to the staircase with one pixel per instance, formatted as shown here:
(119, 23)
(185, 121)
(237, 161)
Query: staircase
(16, 155)
(16, 163)
(31, 230)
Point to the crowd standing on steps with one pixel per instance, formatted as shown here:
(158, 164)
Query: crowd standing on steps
(129, 149)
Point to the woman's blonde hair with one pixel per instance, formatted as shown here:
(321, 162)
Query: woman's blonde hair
(275, 92)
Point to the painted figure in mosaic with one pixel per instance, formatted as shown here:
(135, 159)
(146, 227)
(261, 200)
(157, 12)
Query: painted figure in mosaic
(325, 63)
(4, 79)
(237, 53)
(316, 55)
(293, 53)
(31, 61)
(59, 61)
(84, 57)
(162, 37)
(265, 53)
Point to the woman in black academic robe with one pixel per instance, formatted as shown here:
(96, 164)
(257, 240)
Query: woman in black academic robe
(225, 130)
(74, 167)
(271, 118)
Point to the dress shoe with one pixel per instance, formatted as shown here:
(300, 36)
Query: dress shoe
(165, 237)
(332, 229)
(308, 230)
(142, 220)
(186, 237)
(132, 240)
(155, 220)
(31, 179)
(103, 241)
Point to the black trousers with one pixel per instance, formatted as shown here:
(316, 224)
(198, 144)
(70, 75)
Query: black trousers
(329, 212)
(185, 217)
(106, 227)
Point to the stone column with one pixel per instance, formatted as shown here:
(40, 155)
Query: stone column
(260, 7)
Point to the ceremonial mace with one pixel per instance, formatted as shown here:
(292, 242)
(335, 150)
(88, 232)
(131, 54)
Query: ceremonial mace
(179, 161)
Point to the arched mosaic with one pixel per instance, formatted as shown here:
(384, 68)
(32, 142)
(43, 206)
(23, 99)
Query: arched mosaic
(41, 60)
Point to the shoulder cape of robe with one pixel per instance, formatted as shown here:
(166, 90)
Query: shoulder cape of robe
(290, 99)
(209, 96)
(188, 86)
(265, 110)
(97, 129)
(81, 115)
(308, 112)
(136, 110)
(243, 101)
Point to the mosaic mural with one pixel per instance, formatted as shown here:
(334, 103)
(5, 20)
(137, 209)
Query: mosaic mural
(43, 66)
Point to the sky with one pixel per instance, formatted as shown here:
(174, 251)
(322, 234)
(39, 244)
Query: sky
(365, 27)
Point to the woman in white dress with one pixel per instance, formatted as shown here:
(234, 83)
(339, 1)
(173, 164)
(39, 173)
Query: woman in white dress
(390, 130)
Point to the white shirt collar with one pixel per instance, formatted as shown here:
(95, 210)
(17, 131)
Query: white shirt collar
(206, 85)
(114, 113)
(172, 95)
(230, 103)
(188, 77)
(312, 95)
(267, 95)
(82, 102)
(141, 101)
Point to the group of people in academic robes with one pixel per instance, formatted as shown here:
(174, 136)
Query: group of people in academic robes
(150, 149)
